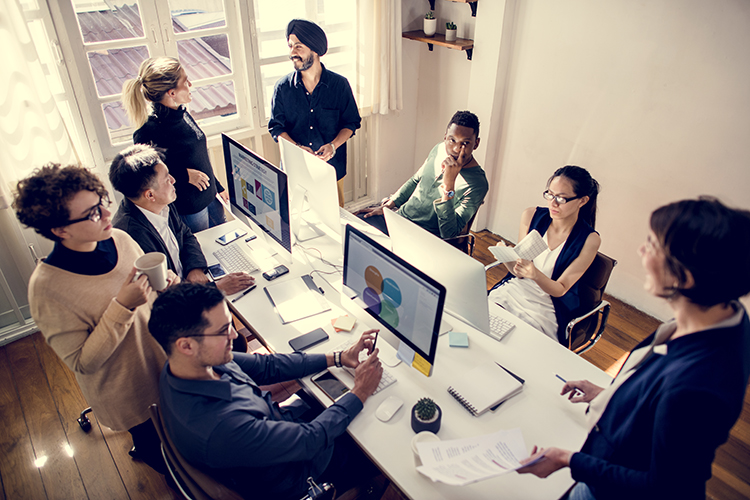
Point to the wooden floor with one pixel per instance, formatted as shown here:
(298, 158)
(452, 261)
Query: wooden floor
(45, 454)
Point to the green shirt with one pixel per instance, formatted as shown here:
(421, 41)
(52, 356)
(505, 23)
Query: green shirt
(419, 198)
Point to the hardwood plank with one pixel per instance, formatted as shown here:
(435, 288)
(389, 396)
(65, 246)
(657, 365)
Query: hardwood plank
(95, 463)
(21, 479)
(141, 481)
(60, 473)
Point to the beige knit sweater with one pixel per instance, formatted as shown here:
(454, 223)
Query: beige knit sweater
(115, 359)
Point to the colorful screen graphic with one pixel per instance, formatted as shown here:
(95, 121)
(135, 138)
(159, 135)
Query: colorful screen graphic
(391, 290)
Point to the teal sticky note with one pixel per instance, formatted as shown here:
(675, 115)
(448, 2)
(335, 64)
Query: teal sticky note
(459, 339)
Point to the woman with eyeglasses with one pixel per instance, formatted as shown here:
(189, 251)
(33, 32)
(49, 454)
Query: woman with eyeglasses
(546, 294)
(155, 102)
(84, 299)
(655, 429)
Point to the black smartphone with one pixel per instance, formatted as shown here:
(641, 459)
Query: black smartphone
(226, 239)
(308, 340)
(328, 383)
(275, 272)
(216, 271)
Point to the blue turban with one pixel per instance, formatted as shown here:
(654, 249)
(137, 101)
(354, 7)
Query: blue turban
(309, 34)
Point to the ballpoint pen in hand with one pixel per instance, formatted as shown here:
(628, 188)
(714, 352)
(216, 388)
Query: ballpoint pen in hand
(578, 392)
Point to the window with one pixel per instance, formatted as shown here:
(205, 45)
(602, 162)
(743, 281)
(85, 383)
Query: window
(111, 39)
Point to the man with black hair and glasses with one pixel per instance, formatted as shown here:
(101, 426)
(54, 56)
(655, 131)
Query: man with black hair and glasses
(447, 190)
(222, 422)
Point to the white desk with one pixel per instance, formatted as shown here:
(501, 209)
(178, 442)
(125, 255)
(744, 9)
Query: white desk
(545, 417)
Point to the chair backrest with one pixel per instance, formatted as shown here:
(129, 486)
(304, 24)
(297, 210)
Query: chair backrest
(199, 485)
(594, 280)
(464, 241)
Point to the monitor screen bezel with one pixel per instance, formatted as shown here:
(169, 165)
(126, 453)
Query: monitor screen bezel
(228, 142)
(428, 356)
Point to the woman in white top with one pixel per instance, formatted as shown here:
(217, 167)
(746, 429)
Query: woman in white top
(546, 295)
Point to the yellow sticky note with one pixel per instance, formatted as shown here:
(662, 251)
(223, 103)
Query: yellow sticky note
(421, 364)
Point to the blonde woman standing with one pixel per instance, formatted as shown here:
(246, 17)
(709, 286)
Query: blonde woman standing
(156, 102)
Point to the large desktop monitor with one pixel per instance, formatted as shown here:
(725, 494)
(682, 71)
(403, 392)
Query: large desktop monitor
(398, 295)
(313, 193)
(464, 277)
(258, 190)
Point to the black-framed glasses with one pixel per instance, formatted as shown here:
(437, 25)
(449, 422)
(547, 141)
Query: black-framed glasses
(560, 200)
(226, 334)
(95, 214)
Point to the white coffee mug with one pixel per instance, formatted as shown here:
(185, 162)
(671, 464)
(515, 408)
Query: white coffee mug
(154, 266)
(422, 437)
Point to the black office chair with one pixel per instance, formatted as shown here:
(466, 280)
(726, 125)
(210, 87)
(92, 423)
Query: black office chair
(195, 484)
(465, 241)
(585, 330)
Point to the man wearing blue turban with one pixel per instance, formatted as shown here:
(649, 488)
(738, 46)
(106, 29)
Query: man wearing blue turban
(314, 107)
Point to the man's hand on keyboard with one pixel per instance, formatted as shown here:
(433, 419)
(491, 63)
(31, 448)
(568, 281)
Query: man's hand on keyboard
(234, 282)
(350, 357)
(367, 377)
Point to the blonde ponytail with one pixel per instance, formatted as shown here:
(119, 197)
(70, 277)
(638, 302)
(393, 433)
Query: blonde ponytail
(156, 77)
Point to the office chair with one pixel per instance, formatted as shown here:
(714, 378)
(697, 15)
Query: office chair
(465, 240)
(195, 484)
(585, 330)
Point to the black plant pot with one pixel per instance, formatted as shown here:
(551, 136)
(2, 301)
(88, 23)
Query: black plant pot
(419, 426)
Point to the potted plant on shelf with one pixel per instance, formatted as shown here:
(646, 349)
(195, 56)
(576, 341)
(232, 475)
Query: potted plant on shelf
(450, 32)
(430, 24)
(425, 416)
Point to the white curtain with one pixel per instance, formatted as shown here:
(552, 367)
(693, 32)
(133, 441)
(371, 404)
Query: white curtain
(380, 49)
(32, 133)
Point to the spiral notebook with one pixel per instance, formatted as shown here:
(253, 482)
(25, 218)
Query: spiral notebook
(484, 387)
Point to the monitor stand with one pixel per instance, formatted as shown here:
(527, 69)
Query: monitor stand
(303, 230)
(445, 327)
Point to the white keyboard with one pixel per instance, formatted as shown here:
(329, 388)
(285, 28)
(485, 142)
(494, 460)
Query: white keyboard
(499, 327)
(387, 378)
(350, 217)
(234, 260)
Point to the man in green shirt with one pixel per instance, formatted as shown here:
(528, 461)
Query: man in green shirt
(447, 190)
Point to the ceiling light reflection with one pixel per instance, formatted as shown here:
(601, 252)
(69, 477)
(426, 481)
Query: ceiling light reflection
(39, 462)
(68, 450)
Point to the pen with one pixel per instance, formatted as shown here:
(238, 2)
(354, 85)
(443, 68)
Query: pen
(578, 392)
(244, 293)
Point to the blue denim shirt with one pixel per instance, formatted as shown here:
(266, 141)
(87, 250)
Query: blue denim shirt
(315, 119)
(232, 429)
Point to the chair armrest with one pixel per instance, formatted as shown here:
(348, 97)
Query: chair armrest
(490, 266)
(602, 305)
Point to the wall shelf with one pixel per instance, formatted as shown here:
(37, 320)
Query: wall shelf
(472, 4)
(439, 39)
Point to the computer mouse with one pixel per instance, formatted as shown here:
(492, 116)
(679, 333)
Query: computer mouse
(388, 408)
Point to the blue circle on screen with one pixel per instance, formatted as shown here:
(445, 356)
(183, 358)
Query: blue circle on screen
(392, 291)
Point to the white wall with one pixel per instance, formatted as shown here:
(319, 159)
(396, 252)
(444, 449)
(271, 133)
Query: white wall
(651, 97)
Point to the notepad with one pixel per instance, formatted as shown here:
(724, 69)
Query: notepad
(528, 248)
(484, 387)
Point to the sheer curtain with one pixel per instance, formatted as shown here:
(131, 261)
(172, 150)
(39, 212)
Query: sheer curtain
(32, 133)
(379, 74)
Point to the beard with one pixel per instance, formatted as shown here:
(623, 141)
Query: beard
(305, 64)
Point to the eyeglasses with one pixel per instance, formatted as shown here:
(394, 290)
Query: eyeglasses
(95, 214)
(560, 200)
(227, 334)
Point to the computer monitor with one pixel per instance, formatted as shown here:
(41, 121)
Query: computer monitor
(311, 180)
(463, 276)
(258, 190)
(398, 295)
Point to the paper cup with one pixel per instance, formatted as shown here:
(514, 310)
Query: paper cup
(421, 437)
(154, 266)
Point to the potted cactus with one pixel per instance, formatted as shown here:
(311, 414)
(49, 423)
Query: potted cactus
(450, 32)
(430, 24)
(425, 416)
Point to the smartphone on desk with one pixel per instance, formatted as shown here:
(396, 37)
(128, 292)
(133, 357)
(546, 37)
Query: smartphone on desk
(216, 271)
(226, 239)
(275, 272)
(328, 383)
(308, 340)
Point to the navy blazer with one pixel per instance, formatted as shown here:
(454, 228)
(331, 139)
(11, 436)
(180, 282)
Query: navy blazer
(130, 219)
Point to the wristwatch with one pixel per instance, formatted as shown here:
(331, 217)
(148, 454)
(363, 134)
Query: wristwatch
(450, 194)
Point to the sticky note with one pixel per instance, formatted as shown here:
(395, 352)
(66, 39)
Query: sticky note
(459, 339)
(421, 364)
(344, 323)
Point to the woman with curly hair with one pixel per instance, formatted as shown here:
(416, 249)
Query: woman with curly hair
(84, 299)
(155, 103)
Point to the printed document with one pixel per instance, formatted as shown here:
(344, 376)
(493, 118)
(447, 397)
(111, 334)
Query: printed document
(528, 248)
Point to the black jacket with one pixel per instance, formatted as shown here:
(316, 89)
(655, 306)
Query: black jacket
(130, 219)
